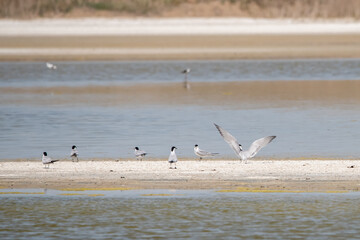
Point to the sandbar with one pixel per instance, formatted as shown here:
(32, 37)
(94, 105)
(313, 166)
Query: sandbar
(285, 175)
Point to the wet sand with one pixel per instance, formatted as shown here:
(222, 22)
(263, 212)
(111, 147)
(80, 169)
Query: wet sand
(287, 175)
(50, 48)
(232, 94)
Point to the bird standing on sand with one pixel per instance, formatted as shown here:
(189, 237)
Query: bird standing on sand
(74, 154)
(202, 153)
(46, 160)
(251, 152)
(139, 154)
(50, 66)
(172, 158)
(186, 83)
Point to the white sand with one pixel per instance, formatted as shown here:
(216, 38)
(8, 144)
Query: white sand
(173, 26)
(187, 170)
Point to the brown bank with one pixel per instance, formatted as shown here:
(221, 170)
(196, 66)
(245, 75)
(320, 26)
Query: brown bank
(46, 48)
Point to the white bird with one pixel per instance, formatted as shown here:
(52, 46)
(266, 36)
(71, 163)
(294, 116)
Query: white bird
(74, 154)
(139, 154)
(46, 160)
(186, 83)
(172, 158)
(251, 152)
(202, 153)
(50, 66)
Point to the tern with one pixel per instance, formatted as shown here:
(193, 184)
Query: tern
(139, 154)
(186, 83)
(202, 153)
(74, 153)
(172, 158)
(50, 66)
(254, 147)
(46, 160)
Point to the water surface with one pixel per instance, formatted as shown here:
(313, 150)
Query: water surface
(123, 72)
(183, 214)
(30, 126)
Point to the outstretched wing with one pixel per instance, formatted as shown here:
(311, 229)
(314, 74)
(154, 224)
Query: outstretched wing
(259, 144)
(230, 139)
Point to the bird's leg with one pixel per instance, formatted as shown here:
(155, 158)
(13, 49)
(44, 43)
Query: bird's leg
(175, 165)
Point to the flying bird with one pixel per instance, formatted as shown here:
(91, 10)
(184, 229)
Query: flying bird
(254, 147)
(172, 158)
(74, 154)
(46, 160)
(186, 83)
(50, 66)
(139, 154)
(202, 153)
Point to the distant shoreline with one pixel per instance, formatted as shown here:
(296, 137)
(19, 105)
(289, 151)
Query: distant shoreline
(176, 39)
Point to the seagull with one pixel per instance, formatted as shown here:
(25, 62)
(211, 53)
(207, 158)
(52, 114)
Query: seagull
(202, 153)
(50, 66)
(251, 152)
(139, 154)
(172, 157)
(74, 154)
(186, 83)
(46, 160)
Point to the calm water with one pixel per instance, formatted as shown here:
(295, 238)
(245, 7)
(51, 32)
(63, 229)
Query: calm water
(104, 73)
(185, 214)
(28, 130)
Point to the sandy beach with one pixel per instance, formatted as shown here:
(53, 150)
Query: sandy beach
(286, 175)
(154, 39)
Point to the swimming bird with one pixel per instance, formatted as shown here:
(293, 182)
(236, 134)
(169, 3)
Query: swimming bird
(139, 154)
(50, 66)
(172, 158)
(74, 153)
(186, 83)
(202, 153)
(46, 160)
(254, 147)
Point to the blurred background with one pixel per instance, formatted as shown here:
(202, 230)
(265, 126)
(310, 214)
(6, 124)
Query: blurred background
(181, 8)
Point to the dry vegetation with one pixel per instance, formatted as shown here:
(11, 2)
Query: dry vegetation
(178, 8)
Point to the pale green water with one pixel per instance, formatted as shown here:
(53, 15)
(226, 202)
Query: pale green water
(183, 215)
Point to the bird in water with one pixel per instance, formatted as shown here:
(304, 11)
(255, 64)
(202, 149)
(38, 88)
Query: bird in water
(51, 66)
(186, 82)
(254, 147)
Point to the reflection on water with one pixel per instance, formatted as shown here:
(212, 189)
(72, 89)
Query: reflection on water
(114, 132)
(188, 214)
(102, 73)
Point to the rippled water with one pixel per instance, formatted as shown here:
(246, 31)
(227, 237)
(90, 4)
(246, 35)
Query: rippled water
(183, 214)
(27, 130)
(101, 73)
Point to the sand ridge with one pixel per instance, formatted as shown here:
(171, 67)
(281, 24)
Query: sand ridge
(309, 175)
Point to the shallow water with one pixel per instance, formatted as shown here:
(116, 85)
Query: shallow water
(30, 128)
(105, 73)
(180, 214)
(113, 132)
